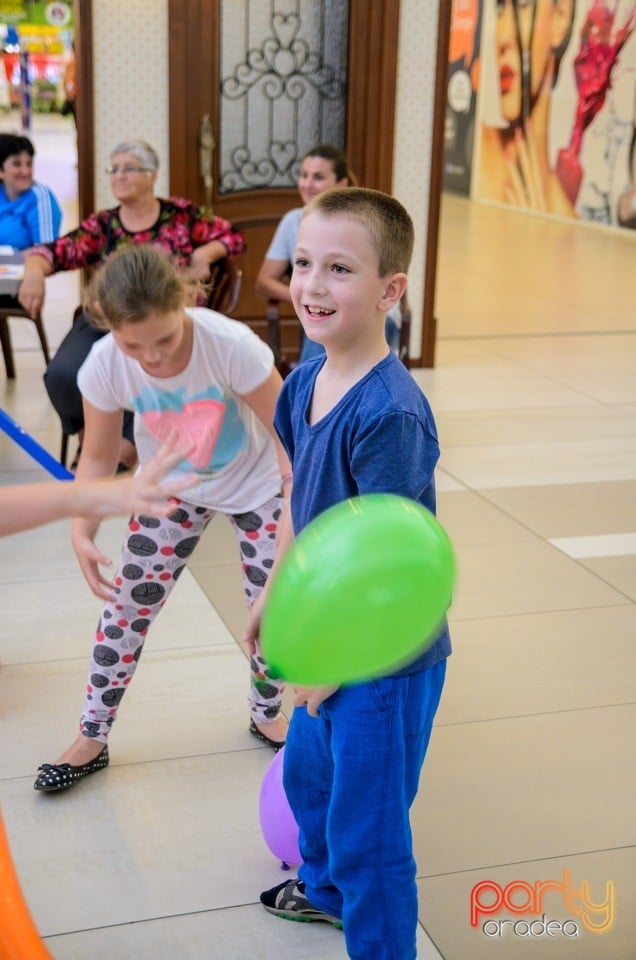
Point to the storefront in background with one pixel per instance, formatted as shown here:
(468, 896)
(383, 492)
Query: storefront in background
(36, 40)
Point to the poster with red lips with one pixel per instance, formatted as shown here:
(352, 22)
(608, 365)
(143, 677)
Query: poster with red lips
(557, 109)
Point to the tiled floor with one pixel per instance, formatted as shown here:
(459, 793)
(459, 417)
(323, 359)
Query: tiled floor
(531, 767)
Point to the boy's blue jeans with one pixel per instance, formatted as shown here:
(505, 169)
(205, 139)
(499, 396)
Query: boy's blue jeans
(350, 776)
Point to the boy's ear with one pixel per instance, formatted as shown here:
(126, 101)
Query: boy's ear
(394, 287)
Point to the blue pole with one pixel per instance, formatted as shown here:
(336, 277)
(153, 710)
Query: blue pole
(25, 89)
(33, 448)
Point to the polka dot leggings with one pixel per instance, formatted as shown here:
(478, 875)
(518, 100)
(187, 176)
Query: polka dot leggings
(155, 553)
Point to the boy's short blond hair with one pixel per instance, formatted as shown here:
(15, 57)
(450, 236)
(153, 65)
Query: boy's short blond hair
(385, 219)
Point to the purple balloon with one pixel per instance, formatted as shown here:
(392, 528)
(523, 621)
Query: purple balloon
(280, 830)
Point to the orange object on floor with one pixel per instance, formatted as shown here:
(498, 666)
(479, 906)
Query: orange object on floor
(19, 938)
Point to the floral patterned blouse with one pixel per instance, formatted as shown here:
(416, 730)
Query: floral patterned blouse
(179, 229)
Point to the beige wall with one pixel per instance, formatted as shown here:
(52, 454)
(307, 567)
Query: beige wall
(413, 135)
(130, 64)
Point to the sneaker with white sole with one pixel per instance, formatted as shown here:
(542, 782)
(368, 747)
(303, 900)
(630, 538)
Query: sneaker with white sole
(288, 900)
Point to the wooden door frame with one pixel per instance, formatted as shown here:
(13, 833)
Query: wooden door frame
(373, 38)
(84, 106)
(435, 186)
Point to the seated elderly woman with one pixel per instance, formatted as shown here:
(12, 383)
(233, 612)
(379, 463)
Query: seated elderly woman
(192, 237)
(29, 212)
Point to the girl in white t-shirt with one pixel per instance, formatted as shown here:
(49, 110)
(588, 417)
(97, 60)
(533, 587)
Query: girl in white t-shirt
(214, 381)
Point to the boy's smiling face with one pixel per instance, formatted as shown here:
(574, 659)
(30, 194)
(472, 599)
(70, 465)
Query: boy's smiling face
(335, 287)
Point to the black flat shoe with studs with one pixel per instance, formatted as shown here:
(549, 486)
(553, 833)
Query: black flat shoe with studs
(276, 745)
(61, 776)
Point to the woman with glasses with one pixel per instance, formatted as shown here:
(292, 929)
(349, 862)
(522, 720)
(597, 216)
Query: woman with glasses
(190, 236)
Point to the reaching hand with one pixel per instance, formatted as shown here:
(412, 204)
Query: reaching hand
(90, 559)
(143, 493)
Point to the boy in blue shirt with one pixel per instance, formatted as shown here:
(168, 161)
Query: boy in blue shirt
(356, 423)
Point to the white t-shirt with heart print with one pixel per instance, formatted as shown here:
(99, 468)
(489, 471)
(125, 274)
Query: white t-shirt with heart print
(234, 453)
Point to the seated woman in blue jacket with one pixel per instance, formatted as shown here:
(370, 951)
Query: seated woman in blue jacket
(29, 212)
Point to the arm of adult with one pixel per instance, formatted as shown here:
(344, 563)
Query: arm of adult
(81, 247)
(271, 282)
(212, 238)
(31, 292)
(100, 453)
(203, 257)
(35, 504)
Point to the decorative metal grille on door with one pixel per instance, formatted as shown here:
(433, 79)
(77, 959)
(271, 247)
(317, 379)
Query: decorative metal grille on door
(283, 88)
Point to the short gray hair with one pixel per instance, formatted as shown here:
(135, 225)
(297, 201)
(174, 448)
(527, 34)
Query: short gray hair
(146, 154)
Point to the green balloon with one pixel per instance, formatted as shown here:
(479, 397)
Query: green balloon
(361, 591)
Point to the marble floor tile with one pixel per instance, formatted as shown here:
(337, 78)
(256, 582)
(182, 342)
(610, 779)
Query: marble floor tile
(526, 788)
(514, 666)
(619, 572)
(170, 837)
(543, 463)
(469, 518)
(494, 385)
(522, 577)
(498, 427)
(223, 585)
(570, 509)
(239, 932)
(600, 545)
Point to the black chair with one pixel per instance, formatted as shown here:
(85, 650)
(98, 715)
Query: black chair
(224, 286)
(285, 362)
(224, 289)
(77, 313)
(10, 307)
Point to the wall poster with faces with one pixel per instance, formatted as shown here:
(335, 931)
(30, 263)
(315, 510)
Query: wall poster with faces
(557, 108)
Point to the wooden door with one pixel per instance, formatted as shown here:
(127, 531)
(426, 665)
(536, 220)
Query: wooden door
(222, 52)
